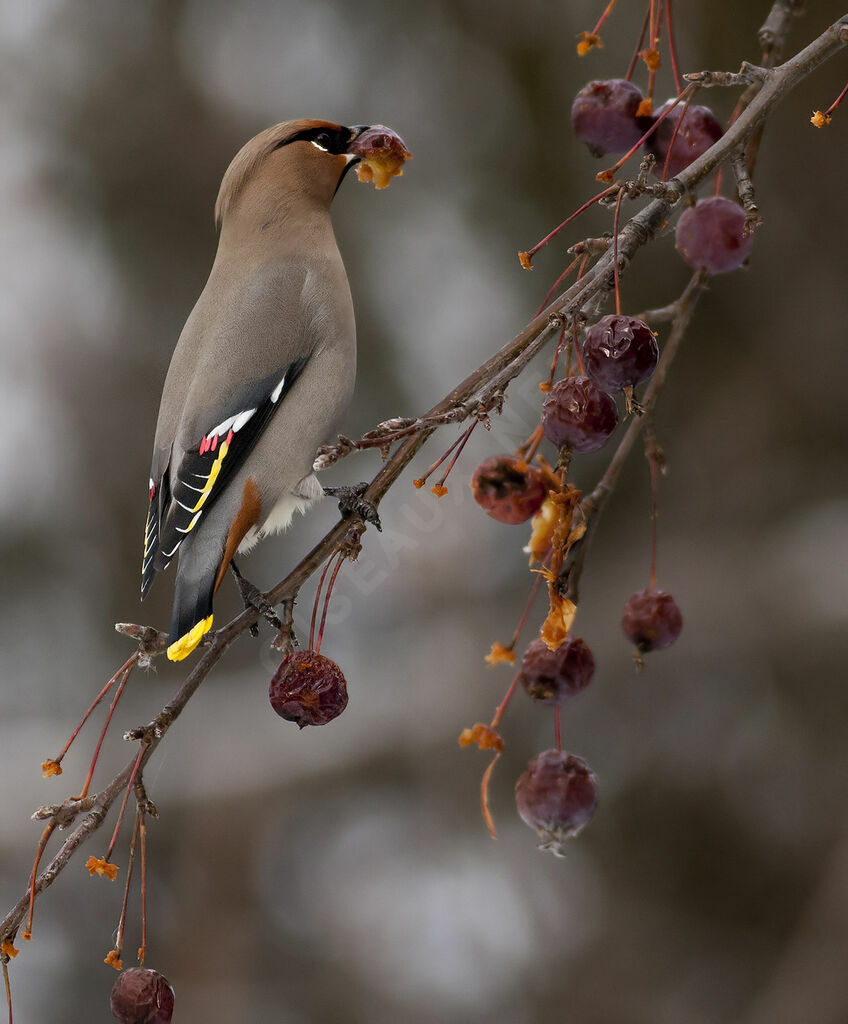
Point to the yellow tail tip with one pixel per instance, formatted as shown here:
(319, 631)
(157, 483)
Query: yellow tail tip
(183, 647)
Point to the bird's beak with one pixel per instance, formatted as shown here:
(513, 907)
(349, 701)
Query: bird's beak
(355, 131)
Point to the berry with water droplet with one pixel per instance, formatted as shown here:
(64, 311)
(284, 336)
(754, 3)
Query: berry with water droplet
(552, 677)
(651, 620)
(579, 415)
(557, 796)
(619, 352)
(699, 129)
(141, 996)
(308, 688)
(711, 235)
(508, 489)
(603, 116)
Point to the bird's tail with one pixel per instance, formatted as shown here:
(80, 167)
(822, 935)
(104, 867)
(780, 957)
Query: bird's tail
(195, 587)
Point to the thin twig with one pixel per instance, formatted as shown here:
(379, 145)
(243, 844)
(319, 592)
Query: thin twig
(593, 504)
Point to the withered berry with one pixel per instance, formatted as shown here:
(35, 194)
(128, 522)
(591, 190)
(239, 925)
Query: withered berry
(603, 116)
(699, 129)
(579, 415)
(508, 489)
(651, 620)
(141, 996)
(308, 688)
(711, 234)
(556, 795)
(619, 352)
(551, 677)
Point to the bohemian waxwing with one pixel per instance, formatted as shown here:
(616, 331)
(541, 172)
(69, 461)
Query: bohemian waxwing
(262, 371)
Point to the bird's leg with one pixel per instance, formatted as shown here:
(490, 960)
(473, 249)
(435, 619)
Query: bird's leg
(254, 598)
(352, 503)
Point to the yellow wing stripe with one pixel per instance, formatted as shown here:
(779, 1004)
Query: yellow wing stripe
(183, 647)
(210, 480)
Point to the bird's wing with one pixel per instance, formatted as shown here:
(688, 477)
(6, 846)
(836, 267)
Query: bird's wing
(184, 485)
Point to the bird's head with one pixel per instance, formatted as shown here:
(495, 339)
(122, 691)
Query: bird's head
(296, 161)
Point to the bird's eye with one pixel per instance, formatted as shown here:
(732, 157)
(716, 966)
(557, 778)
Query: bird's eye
(322, 142)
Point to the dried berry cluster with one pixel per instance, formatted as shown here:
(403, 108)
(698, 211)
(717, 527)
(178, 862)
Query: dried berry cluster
(581, 412)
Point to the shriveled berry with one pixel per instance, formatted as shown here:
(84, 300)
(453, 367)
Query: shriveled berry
(699, 129)
(603, 116)
(711, 235)
(141, 996)
(508, 489)
(556, 795)
(651, 620)
(308, 688)
(619, 352)
(579, 415)
(551, 677)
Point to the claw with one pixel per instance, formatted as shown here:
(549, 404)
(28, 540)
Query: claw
(352, 503)
(254, 598)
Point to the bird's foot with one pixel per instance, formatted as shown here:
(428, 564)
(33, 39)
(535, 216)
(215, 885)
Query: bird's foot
(352, 503)
(254, 598)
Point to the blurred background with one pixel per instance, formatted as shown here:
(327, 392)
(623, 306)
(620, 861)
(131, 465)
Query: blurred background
(344, 873)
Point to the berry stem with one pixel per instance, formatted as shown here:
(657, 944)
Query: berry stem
(127, 664)
(552, 235)
(835, 105)
(615, 251)
(527, 606)
(122, 921)
(603, 17)
(330, 585)
(635, 59)
(609, 173)
(575, 344)
(672, 46)
(127, 791)
(654, 471)
(484, 796)
(126, 670)
(674, 134)
(8, 987)
(42, 843)
(317, 601)
(554, 362)
(439, 486)
(507, 697)
(558, 727)
(527, 450)
(557, 283)
(142, 831)
(653, 42)
(423, 479)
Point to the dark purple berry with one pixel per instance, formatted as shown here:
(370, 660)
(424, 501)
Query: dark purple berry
(308, 688)
(651, 620)
(577, 414)
(141, 996)
(551, 677)
(699, 129)
(556, 795)
(508, 489)
(619, 352)
(711, 234)
(603, 115)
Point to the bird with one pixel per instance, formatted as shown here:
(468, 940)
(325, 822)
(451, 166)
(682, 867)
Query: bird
(262, 371)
